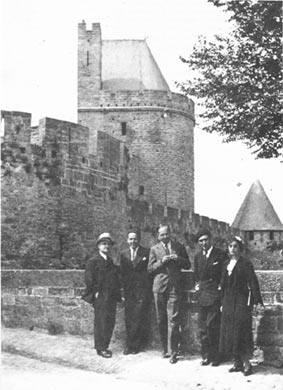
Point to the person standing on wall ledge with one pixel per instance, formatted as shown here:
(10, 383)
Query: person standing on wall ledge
(103, 292)
(166, 260)
(240, 293)
(208, 263)
(137, 292)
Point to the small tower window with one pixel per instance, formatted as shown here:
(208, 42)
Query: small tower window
(251, 236)
(53, 154)
(124, 128)
(83, 160)
(23, 150)
(141, 190)
(87, 58)
(271, 235)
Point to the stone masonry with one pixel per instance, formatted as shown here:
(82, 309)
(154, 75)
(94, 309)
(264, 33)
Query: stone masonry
(155, 125)
(57, 197)
(52, 300)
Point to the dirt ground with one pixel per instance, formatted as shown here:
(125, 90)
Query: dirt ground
(35, 359)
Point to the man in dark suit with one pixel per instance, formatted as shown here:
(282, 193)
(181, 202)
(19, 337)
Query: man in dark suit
(103, 292)
(208, 264)
(137, 292)
(166, 260)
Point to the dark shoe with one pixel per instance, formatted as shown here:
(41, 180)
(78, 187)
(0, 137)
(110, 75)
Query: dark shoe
(173, 358)
(165, 354)
(105, 354)
(248, 370)
(236, 367)
(127, 351)
(215, 363)
(134, 351)
(205, 362)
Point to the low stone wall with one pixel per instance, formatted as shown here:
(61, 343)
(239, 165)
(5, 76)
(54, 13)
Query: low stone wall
(51, 299)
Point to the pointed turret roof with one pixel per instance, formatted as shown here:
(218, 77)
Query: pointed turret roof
(257, 212)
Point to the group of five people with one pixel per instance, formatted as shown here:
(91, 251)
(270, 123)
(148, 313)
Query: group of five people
(226, 289)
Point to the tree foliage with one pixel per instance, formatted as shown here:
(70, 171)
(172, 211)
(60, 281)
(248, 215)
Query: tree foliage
(238, 77)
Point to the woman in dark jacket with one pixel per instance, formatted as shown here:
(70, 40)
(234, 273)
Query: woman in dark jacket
(240, 292)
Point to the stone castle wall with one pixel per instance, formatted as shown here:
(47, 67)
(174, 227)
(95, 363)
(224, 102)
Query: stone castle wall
(57, 198)
(261, 239)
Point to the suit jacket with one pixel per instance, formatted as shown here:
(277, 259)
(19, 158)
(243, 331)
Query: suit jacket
(135, 279)
(242, 284)
(208, 275)
(170, 273)
(101, 276)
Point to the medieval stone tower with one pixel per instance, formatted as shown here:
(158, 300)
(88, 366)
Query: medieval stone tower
(121, 91)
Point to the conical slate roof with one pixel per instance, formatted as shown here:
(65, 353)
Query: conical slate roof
(128, 64)
(257, 212)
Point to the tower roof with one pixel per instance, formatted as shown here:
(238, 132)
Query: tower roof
(128, 64)
(257, 212)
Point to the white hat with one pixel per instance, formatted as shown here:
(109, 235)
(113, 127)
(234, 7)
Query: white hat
(103, 237)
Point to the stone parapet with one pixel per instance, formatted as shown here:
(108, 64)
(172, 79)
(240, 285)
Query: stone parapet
(52, 300)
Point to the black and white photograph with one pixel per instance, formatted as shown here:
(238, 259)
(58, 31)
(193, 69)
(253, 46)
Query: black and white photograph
(141, 194)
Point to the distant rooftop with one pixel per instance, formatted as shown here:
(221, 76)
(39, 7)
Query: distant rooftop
(130, 65)
(257, 212)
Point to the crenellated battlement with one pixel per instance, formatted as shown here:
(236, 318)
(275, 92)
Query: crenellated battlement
(59, 150)
(95, 28)
(148, 216)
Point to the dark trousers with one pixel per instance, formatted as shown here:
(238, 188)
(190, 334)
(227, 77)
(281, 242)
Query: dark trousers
(209, 327)
(104, 322)
(167, 306)
(137, 320)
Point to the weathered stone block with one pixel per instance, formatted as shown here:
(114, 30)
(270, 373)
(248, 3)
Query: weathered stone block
(86, 326)
(32, 301)
(267, 324)
(7, 299)
(69, 302)
(272, 354)
(72, 327)
(61, 291)
(23, 291)
(72, 313)
(54, 313)
(78, 292)
(269, 339)
(41, 291)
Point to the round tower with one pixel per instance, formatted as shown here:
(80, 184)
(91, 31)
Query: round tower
(134, 104)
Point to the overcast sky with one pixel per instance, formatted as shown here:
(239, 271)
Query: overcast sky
(39, 75)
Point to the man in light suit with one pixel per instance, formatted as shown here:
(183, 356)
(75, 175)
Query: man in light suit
(208, 264)
(137, 292)
(166, 260)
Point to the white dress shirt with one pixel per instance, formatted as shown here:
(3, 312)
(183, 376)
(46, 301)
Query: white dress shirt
(207, 254)
(231, 266)
(133, 253)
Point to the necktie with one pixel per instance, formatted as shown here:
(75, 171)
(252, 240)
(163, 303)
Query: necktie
(167, 250)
